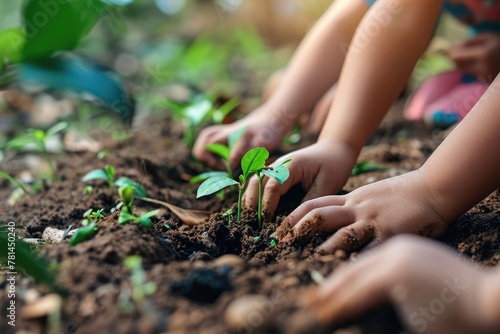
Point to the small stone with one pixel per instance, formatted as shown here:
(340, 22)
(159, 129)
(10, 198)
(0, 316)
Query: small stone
(42, 307)
(230, 260)
(248, 312)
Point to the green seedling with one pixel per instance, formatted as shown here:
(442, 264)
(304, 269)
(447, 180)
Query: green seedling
(273, 243)
(198, 111)
(38, 139)
(108, 174)
(103, 153)
(253, 162)
(141, 288)
(367, 166)
(224, 151)
(229, 214)
(127, 214)
(88, 190)
(83, 233)
(91, 216)
(14, 181)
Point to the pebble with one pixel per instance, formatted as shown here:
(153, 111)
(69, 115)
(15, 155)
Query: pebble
(247, 312)
(230, 260)
(42, 307)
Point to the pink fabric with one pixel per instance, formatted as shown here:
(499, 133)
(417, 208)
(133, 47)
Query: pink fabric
(444, 93)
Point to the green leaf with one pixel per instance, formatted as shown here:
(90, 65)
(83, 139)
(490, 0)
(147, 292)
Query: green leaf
(83, 233)
(56, 128)
(145, 221)
(205, 176)
(110, 170)
(235, 136)
(214, 184)
(57, 25)
(219, 149)
(279, 173)
(199, 110)
(96, 174)
(254, 160)
(11, 44)
(125, 217)
(224, 110)
(150, 213)
(27, 261)
(367, 166)
(20, 142)
(13, 181)
(125, 181)
(126, 195)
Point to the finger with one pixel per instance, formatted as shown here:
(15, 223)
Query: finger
(349, 238)
(352, 290)
(474, 41)
(240, 148)
(206, 137)
(461, 54)
(306, 207)
(323, 219)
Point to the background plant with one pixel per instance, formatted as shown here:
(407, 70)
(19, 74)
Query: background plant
(38, 138)
(108, 174)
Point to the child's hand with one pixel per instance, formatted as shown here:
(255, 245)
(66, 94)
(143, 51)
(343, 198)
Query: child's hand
(479, 56)
(322, 168)
(369, 215)
(265, 127)
(432, 290)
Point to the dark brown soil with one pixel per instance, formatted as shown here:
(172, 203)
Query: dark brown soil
(195, 281)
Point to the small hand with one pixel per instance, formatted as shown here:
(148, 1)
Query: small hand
(265, 127)
(432, 290)
(322, 169)
(479, 56)
(367, 216)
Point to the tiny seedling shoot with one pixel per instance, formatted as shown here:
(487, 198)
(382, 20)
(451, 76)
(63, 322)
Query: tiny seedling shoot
(253, 162)
(38, 138)
(14, 181)
(127, 215)
(89, 228)
(108, 174)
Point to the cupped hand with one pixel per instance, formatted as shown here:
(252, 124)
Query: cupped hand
(265, 127)
(367, 216)
(479, 56)
(432, 289)
(322, 169)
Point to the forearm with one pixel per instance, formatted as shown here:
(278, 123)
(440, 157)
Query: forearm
(316, 64)
(464, 169)
(384, 51)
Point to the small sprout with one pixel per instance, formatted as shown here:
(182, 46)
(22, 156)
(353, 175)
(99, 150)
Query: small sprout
(198, 111)
(253, 162)
(141, 288)
(273, 243)
(367, 166)
(127, 214)
(256, 239)
(167, 226)
(102, 154)
(108, 174)
(39, 139)
(229, 215)
(88, 190)
(91, 216)
(83, 233)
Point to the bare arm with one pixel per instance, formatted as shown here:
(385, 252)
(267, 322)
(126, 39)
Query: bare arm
(383, 53)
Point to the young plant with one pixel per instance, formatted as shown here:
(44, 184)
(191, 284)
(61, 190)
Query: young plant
(15, 182)
(253, 162)
(83, 233)
(38, 138)
(127, 215)
(197, 111)
(141, 288)
(229, 214)
(367, 166)
(108, 174)
(91, 216)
